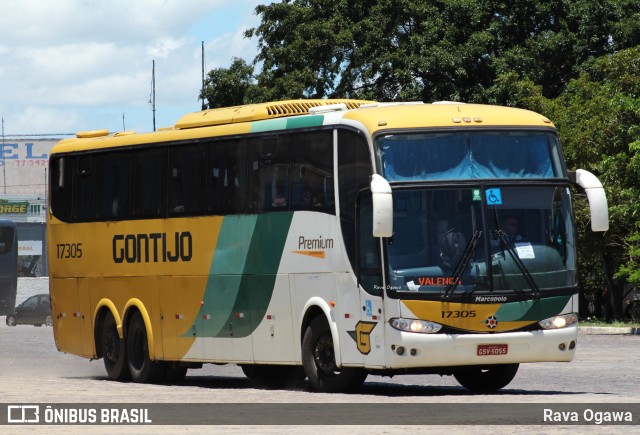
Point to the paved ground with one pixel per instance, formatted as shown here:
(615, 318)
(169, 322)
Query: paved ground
(606, 371)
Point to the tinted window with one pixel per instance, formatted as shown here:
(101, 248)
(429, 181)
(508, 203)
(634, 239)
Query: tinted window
(227, 177)
(7, 235)
(61, 187)
(83, 196)
(312, 170)
(113, 186)
(268, 174)
(149, 174)
(187, 180)
(354, 170)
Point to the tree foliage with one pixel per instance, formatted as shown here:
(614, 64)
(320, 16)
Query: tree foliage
(232, 86)
(576, 61)
(598, 119)
(433, 50)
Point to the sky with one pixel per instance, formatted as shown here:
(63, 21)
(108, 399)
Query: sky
(78, 65)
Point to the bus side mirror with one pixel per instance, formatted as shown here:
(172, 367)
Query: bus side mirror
(382, 207)
(596, 197)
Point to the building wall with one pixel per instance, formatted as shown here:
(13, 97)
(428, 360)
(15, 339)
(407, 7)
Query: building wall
(23, 198)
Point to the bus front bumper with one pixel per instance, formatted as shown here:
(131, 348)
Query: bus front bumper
(414, 350)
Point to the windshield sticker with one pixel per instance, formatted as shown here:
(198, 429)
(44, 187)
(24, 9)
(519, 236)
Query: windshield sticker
(525, 251)
(476, 195)
(494, 196)
(433, 281)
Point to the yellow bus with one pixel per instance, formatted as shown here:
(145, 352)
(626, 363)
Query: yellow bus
(319, 239)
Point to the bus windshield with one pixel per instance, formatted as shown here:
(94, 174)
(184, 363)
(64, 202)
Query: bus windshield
(469, 155)
(460, 240)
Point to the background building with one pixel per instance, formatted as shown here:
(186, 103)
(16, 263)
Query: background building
(23, 198)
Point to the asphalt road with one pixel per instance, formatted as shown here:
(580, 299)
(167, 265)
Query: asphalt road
(606, 371)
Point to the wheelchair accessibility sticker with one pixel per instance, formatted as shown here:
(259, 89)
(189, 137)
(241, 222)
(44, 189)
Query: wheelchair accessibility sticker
(494, 196)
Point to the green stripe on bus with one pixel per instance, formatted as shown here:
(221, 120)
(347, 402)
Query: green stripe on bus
(532, 310)
(305, 121)
(287, 123)
(269, 125)
(243, 275)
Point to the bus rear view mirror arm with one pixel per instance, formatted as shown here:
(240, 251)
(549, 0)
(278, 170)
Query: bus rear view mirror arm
(596, 197)
(382, 207)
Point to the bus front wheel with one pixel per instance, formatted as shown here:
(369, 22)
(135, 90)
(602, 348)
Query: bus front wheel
(142, 368)
(486, 378)
(113, 349)
(318, 360)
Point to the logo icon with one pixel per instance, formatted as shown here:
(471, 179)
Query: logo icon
(491, 322)
(362, 336)
(494, 196)
(23, 414)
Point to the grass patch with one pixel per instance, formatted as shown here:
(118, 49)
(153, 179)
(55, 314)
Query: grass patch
(597, 322)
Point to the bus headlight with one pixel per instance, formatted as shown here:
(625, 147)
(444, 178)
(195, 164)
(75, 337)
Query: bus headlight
(558, 322)
(415, 325)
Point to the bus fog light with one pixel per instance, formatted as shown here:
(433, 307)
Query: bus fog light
(400, 350)
(415, 325)
(558, 322)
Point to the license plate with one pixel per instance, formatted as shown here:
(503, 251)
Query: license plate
(492, 349)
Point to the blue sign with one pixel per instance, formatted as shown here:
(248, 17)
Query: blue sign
(369, 308)
(494, 196)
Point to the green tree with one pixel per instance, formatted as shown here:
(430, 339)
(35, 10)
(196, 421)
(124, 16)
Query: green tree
(598, 119)
(233, 86)
(433, 49)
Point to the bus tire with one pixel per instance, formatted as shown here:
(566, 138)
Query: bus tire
(143, 370)
(486, 378)
(113, 349)
(318, 360)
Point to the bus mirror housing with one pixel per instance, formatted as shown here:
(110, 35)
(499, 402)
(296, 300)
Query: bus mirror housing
(382, 207)
(596, 197)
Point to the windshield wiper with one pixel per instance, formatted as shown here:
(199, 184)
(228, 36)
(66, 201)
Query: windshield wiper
(462, 264)
(516, 258)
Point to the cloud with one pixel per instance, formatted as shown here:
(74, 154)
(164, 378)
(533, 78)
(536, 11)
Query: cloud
(86, 62)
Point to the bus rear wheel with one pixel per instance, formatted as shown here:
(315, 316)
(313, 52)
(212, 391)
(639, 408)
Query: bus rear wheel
(142, 368)
(318, 360)
(486, 378)
(114, 352)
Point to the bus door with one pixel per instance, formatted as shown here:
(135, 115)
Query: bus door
(369, 332)
(8, 267)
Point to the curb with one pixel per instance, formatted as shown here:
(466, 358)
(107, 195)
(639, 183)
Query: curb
(605, 330)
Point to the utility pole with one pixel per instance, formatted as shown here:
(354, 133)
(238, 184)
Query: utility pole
(4, 162)
(204, 107)
(153, 93)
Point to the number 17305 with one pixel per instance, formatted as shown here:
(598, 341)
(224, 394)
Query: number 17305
(69, 250)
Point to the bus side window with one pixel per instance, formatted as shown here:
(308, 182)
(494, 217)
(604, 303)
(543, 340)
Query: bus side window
(7, 236)
(83, 194)
(369, 276)
(269, 174)
(113, 186)
(149, 174)
(186, 180)
(312, 171)
(354, 170)
(227, 177)
(61, 187)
